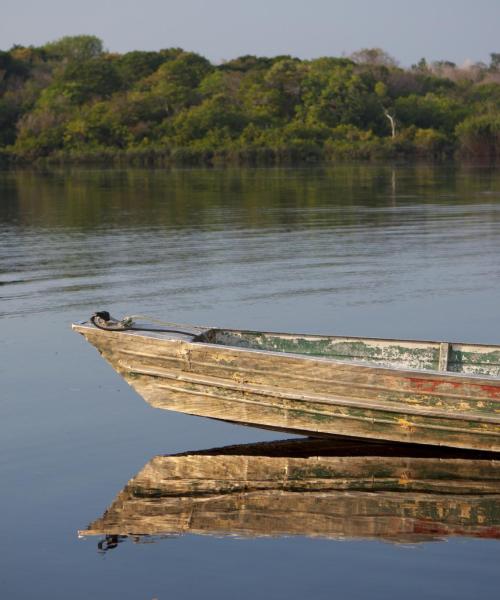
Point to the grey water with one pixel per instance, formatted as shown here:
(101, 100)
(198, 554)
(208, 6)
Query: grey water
(371, 250)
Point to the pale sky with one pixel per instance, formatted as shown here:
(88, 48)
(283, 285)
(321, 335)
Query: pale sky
(456, 30)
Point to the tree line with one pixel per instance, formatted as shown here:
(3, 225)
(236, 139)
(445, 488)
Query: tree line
(72, 101)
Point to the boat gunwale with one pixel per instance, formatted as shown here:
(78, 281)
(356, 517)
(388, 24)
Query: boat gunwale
(450, 375)
(204, 329)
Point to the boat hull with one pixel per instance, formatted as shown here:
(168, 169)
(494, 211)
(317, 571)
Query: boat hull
(305, 394)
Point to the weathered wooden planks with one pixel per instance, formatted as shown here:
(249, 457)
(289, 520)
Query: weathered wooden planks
(316, 395)
(241, 491)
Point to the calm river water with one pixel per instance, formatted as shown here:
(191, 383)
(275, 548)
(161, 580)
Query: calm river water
(375, 250)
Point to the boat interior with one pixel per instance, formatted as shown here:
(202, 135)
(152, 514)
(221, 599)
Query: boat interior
(472, 359)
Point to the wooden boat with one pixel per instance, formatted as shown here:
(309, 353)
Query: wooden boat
(318, 488)
(407, 391)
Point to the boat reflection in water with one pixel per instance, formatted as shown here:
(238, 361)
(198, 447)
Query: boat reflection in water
(320, 488)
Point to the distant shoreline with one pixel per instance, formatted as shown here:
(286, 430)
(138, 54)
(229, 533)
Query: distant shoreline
(71, 102)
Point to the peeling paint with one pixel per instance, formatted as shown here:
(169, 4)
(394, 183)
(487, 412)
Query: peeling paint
(413, 355)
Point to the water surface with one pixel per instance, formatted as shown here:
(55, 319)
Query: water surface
(405, 252)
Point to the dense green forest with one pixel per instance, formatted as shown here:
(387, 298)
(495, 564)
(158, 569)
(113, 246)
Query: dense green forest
(72, 101)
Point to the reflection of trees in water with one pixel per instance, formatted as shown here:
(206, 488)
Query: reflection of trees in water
(219, 199)
(72, 236)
